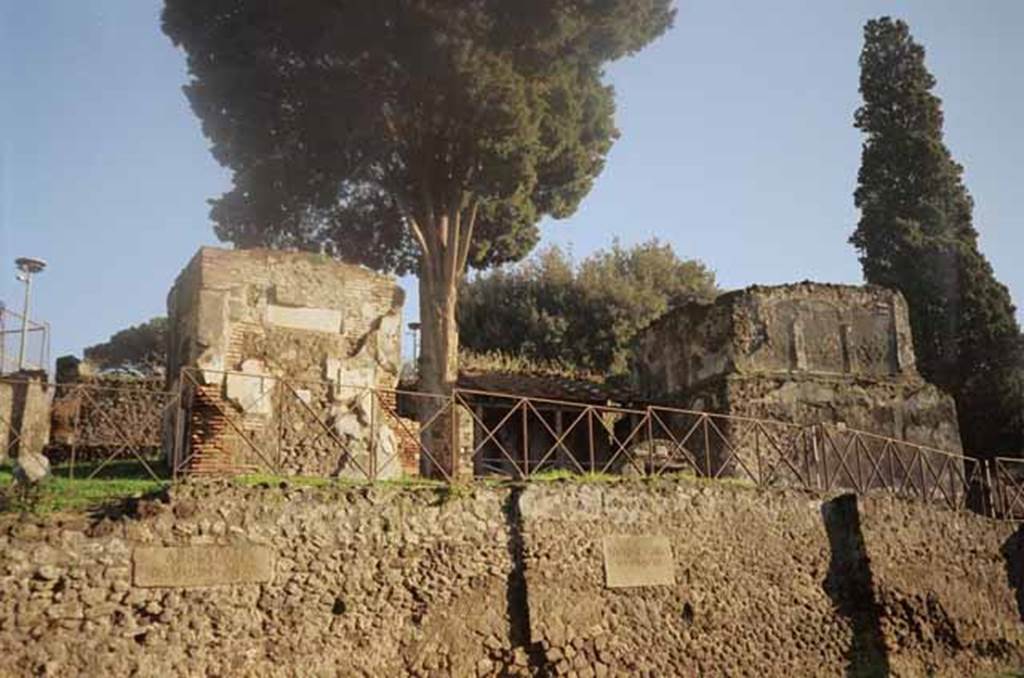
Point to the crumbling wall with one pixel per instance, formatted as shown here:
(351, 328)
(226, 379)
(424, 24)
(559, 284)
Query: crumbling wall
(510, 580)
(367, 582)
(804, 354)
(811, 328)
(285, 348)
(762, 583)
(24, 414)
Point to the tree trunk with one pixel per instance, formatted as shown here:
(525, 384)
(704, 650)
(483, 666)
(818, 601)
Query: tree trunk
(438, 372)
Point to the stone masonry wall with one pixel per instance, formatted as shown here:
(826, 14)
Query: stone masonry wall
(285, 346)
(861, 331)
(769, 584)
(24, 414)
(366, 582)
(804, 354)
(511, 580)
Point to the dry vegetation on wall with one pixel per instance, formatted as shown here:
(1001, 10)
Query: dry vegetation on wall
(509, 580)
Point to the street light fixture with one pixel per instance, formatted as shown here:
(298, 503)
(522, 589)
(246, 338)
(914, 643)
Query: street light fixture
(27, 267)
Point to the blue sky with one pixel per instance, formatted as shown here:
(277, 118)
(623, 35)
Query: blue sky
(737, 147)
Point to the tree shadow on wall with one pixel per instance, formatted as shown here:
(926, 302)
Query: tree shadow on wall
(850, 586)
(1013, 562)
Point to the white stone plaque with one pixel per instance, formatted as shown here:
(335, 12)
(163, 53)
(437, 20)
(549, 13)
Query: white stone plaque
(640, 560)
(305, 318)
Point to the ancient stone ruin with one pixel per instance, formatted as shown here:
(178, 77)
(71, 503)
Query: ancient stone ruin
(806, 353)
(24, 414)
(278, 355)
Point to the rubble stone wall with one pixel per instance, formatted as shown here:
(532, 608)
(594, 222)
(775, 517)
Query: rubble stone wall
(772, 584)
(285, 345)
(861, 331)
(365, 582)
(804, 354)
(506, 580)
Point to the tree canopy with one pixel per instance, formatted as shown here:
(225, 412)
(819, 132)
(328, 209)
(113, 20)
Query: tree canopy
(142, 346)
(584, 317)
(408, 135)
(916, 234)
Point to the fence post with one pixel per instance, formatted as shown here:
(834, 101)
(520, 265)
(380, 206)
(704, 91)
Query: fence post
(590, 435)
(453, 436)
(990, 491)
(374, 396)
(75, 432)
(707, 447)
(652, 468)
(176, 433)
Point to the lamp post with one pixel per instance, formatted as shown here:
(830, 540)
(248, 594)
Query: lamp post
(27, 267)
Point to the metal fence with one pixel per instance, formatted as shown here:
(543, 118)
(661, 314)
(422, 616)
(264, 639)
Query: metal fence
(523, 437)
(95, 425)
(251, 423)
(36, 355)
(223, 421)
(1006, 481)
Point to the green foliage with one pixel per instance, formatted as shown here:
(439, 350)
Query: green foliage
(494, 361)
(916, 234)
(381, 131)
(139, 346)
(581, 318)
(563, 475)
(62, 494)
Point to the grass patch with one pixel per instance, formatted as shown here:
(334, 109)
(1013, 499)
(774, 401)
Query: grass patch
(565, 474)
(59, 494)
(118, 480)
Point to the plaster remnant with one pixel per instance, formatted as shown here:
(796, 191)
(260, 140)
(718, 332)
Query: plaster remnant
(304, 318)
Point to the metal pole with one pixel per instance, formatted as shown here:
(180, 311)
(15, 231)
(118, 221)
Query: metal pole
(24, 321)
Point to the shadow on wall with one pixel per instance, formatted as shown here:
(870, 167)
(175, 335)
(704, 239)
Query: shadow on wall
(850, 587)
(516, 594)
(1013, 561)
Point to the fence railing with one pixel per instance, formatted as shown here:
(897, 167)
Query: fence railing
(96, 425)
(238, 421)
(224, 421)
(523, 437)
(1006, 480)
(37, 343)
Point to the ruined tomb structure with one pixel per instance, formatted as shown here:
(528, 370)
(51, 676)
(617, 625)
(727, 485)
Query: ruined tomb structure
(24, 414)
(276, 354)
(808, 354)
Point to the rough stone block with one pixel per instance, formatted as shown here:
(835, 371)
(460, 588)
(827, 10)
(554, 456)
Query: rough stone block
(638, 560)
(304, 318)
(252, 391)
(312, 324)
(194, 566)
(807, 354)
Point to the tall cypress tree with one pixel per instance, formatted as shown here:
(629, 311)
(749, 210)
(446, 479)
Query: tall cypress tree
(916, 235)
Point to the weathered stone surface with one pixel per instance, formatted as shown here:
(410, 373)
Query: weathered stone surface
(24, 414)
(304, 318)
(192, 566)
(807, 327)
(31, 467)
(804, 354)
(313, 327)
(367, 581)
(251, 388)
(762, 581)
(638, 560)
(384, 581)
